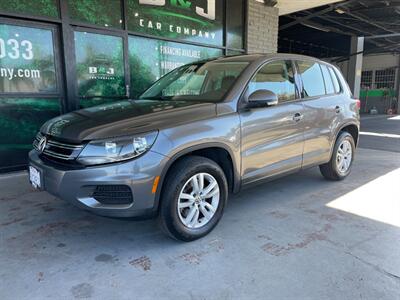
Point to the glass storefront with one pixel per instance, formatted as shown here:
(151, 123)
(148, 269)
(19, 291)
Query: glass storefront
(20, 119)
(29, 91)
(155, 58)
(105, 13)
(109, 50)
(99, 65)
(45, 8)
(27, 60)
(195, 21)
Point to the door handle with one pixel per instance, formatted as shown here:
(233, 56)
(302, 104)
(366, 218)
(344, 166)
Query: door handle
(338, 109)
(297, 117)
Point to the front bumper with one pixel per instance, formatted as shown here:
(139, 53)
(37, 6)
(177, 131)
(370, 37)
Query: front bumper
(76, 185)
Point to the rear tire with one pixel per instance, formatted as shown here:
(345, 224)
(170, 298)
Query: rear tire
(339, 166)
(194, 195)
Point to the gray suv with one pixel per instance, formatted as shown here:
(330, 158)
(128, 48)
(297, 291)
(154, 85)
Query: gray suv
(203, 131)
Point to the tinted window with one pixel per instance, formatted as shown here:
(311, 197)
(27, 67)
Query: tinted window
(206, 82)
(335, 80)
(328, 80)
(313, 82)
(155, 58)
(27, 62)
(99, 65)
(276, 77)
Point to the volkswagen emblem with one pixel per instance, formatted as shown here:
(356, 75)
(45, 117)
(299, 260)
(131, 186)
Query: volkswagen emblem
(42, 144)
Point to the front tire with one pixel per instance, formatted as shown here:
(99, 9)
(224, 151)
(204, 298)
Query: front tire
(339, 167)
(193, 200)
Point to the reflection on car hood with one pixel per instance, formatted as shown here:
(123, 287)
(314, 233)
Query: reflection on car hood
(126, 118)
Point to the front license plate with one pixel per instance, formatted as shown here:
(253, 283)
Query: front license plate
(35, 177)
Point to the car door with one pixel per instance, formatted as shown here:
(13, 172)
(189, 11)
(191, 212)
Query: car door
(272, 137)
(322, 107)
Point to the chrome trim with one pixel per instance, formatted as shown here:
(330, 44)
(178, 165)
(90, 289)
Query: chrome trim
(65, 146)
(54, 146)
(57, 155)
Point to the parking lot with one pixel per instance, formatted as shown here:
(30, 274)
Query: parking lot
(299, 237)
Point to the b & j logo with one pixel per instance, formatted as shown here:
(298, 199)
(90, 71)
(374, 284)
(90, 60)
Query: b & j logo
(200, 23)
(101, 73)
(208, 13)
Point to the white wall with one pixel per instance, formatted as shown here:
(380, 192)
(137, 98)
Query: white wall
(374, 62)
(379, 62)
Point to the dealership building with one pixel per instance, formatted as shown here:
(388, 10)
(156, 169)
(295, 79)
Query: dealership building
(58, 56)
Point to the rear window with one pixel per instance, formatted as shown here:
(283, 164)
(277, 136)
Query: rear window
(330, 89)
(335, 80)
(313, 81)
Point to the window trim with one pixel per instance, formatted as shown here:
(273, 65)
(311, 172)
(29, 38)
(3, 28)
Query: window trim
(341, 90)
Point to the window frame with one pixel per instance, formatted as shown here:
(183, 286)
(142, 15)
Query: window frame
(58, 93)
(320, 63)
(125, 62)
(64, 26)
(302, 82)
(385, 77)
(296, 90)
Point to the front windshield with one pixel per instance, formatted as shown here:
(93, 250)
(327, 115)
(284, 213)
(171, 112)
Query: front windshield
(206, 82)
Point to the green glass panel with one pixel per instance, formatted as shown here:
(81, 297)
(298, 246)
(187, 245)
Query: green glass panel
(26, 60)
(20, 120)
(155, 58)
(46, 8)
(100, 65)
(105, 13)
(197, 20)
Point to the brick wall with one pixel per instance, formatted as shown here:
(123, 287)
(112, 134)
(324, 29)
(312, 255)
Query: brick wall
(262, 28)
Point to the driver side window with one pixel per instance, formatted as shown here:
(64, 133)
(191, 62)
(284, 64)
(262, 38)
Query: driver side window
(277, 77)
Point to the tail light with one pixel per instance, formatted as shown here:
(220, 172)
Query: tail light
(358, 104)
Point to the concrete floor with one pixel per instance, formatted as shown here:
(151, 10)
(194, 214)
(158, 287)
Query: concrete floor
(379, 132)
(299, 237)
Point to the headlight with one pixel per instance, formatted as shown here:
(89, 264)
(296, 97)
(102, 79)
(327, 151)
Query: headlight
(116, 149)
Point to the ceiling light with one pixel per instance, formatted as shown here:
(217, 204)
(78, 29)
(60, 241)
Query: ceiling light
(340, 11)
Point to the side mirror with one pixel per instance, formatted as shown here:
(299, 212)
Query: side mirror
(262, 98)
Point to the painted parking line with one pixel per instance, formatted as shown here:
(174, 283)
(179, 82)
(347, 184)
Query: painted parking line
(395, 118)
(386, 135)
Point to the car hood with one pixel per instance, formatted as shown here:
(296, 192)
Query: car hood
(126, 118)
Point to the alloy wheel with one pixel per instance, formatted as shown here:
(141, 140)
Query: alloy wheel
(344, 156)
(198, 200)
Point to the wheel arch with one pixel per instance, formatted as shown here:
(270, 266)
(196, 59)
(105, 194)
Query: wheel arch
(350, 127)
(208, 150)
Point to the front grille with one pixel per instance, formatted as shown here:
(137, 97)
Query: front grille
(59, 151)
(113, 194)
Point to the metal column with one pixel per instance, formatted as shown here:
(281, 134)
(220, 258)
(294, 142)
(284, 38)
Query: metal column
(355, 65)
